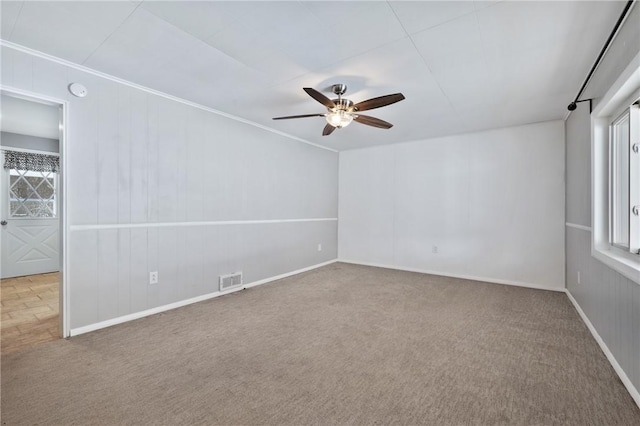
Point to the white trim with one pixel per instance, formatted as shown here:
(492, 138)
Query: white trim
(63, 210)
(28, 151)
(289, 274)
(576, 226)
(82, 68)
(612, 360)
(163, 308)
(65, 294)
(461, 276)
(204, 223)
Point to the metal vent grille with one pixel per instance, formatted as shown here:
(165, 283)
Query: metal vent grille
(231, 280)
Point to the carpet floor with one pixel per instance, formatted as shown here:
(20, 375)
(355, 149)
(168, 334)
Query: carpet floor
(343, 344)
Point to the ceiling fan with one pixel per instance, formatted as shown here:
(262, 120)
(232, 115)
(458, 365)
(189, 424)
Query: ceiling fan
(341, 112)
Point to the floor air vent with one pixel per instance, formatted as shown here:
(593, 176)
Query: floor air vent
(231, 280)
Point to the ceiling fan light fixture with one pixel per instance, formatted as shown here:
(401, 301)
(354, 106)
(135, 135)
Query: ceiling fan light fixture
(339, 118)
(341, 112)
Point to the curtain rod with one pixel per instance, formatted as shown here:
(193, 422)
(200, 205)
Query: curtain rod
(572, 106)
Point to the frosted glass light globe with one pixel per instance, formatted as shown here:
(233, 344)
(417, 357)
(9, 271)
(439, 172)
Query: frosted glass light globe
(339, 118)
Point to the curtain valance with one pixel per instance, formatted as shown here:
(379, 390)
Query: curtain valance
(31, 162)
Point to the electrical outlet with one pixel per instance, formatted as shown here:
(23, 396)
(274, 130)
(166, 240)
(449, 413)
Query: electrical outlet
(578, 277)
(153, 277)
(434, 249)
(319, 247)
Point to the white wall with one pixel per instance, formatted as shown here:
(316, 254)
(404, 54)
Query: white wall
(492, 202)
(147, 176)
(24, 117)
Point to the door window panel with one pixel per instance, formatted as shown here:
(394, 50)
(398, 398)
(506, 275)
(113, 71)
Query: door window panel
(32, 194)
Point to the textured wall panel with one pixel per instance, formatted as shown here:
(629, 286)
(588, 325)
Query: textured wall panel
(611, 301)
(491, 202)
(138, 158)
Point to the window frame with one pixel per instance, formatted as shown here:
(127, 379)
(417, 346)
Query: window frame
(612, 153)
(620, 97)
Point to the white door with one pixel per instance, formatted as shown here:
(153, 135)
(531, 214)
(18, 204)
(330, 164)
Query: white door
(29, 218)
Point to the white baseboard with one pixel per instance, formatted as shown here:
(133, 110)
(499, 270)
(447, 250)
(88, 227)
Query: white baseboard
(612, 360)
(461, 276)
(163, 308)
(288, 274)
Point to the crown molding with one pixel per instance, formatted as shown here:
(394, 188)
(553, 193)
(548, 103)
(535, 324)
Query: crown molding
(46, 56)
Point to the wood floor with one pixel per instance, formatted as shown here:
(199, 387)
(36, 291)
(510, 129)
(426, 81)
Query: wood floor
(30, 311)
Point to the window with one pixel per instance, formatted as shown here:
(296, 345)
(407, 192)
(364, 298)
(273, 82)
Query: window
(32, 194)
(622, 210)
(615, 161)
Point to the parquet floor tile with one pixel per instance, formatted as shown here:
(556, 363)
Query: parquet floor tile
(29, 311)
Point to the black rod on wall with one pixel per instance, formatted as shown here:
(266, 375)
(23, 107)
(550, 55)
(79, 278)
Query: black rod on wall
(572, 106)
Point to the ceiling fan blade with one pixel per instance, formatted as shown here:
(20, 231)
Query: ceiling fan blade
(378, 102)
(328, 129)
(319, 97)
(372, 121)
(297, 116)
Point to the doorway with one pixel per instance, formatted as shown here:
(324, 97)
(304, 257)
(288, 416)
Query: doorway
(31, 136)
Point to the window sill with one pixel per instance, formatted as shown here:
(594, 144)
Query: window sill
(619, 262)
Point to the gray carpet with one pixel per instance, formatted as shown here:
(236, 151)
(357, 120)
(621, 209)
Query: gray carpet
(343, 344)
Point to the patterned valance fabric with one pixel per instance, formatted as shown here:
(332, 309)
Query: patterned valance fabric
(31, 162)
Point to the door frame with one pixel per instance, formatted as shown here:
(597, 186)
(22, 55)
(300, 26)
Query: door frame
(63, 226)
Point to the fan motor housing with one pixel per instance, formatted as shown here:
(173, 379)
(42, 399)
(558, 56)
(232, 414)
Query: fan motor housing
(339, 89)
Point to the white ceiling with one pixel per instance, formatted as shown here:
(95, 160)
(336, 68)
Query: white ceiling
(462, 66)
(29, 118)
